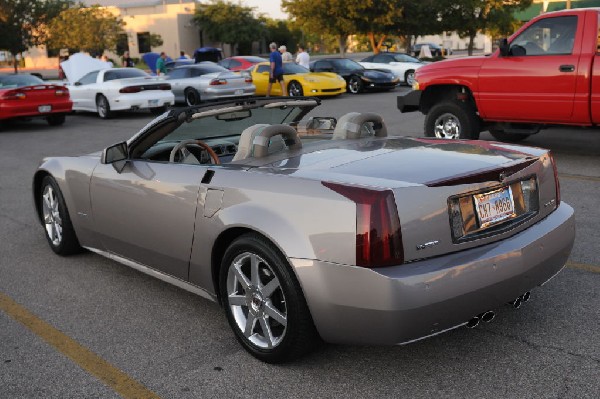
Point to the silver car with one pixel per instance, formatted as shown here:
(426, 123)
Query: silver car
(308, 229)
(203, 81)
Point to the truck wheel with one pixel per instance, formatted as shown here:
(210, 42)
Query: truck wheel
(500, 135)
(452, 120)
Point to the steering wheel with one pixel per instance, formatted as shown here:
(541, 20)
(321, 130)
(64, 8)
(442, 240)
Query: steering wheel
(181, 147)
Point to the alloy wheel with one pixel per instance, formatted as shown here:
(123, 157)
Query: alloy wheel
(51, 214)
(447, 126)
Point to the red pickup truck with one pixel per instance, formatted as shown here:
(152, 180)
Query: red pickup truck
(547, 73)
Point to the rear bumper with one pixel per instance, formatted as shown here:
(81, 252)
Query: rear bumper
(400, 304)
(410, 101)
(219, 93)
(146, 99)
(17, 109)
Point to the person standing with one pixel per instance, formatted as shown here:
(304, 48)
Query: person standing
(286, 56)
(161, 68)
(276, 69)
(182, 56)
(303, 58)
(127, 61)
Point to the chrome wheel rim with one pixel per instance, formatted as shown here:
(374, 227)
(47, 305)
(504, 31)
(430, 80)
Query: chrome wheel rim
(295, 90)
(353, 86)
(51, 214)
(256, 301)
(191, 98)
(102, 105)
(410, 78)
(447, 126)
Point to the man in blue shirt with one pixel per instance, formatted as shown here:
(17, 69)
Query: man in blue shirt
(276, 70)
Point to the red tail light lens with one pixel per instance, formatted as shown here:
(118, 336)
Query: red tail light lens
(61, 92)
(164, 86)
(378, 233)
(218, 82)
(557, 182)
(131, 89)
(248, 79)
(14, 95)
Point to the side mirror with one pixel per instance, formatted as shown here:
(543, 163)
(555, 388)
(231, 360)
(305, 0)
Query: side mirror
(77, 84)
(116, 155)
(504, 48)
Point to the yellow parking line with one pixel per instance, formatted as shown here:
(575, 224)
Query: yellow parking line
(117, 380)
(578, 177)
(583, 266)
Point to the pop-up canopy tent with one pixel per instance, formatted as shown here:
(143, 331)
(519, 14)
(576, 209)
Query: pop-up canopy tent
(150, 60)
(208, 54)
(81, 64)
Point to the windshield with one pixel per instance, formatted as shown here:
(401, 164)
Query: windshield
(124, 74)
(404, 58)
(346, 64)
(13, 81)
(289, 68)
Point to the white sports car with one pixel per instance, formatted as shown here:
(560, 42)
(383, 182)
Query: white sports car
(402, 65)
(116, 89)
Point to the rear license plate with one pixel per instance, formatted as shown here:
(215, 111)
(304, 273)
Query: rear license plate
(494, 206)
(239, 92)
(152, 103)
(44, 108)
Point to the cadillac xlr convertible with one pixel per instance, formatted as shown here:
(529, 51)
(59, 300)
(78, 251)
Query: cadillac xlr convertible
(315, 228)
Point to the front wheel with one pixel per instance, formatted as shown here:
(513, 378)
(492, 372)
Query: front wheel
(263, 301)
(103, 107)
(409, 78)
(452, 120)
(55, 217)
(295, 89)
(355, 85)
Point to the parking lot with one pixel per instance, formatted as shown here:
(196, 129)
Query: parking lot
(85, 326)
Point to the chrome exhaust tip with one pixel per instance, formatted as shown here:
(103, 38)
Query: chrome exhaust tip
(488, 316)
(525, 297)
(473, 322)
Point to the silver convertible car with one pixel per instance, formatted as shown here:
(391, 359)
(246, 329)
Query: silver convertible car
(315, 228)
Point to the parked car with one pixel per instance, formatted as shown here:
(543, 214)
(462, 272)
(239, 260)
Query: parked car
(240, 63)
(352, 236)
(170, 65)
(298, 80)
(116, 89)
(27, 96)
(358, 78)
(436, 50)
(403, 65)
(207, 81)
(533, 81)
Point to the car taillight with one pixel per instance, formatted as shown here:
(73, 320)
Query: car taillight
(378, 233)
(131, 89)
(164, 86)
(556, 181)
(14, 95)
(248, 79)
(61, 92)
(218, 82)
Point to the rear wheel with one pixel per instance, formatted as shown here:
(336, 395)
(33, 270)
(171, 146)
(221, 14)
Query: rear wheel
(263, 301)
(295, 89)
(103, 107)
(56, 120)
(55, 217)
(452, 120)
(355, 85)
(500, 135)
(192, 97)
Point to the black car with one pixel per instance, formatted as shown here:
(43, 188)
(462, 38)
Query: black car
(357, 77)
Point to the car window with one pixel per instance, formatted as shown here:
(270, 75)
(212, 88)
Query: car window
(235, 63)
(382, 58)
(12, 81)
(368, 59)
(124, 74)
(262, 68)
(289, 68)
(321, 65)
(89, 78)
(178, 73)
(550, 36)
(344, 63)
(224, 63)
(404, 58)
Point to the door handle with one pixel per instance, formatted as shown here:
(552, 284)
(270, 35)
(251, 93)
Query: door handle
(567, 68)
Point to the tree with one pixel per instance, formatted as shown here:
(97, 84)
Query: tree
(375, 18)
(418, 18)
(24, 23)
(91, 29)
(468, 17)
(228, 23)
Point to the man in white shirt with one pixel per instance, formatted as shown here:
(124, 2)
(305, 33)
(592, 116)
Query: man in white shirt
(286, 56)
(302, 58)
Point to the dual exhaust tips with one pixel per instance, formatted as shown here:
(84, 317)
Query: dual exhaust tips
(490, 315)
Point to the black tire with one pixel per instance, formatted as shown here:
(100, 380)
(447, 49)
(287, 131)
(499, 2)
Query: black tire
(409, 77)
(158, 110)
(52, 205)
(355, 85)
(103, 107)
(295, 89)
(500, 135)
(455, 120)
(298, 336)
(192, 97)
(56, 120)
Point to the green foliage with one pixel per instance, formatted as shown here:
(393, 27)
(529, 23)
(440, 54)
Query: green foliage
(23, 23)
(283, 32)
(155, 40)
(229, 23)
(91, 29)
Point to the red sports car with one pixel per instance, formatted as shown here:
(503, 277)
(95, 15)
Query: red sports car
(27, 96)
(240, 63)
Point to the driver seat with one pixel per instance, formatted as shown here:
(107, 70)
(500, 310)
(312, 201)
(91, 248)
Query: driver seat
(355, 125)
(260, 140)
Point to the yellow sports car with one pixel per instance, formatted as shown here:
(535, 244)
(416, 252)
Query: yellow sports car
(298, 80)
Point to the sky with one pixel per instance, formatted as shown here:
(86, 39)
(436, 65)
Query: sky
(270, 7)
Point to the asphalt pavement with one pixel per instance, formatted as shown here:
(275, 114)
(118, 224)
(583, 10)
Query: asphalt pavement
(87, 327)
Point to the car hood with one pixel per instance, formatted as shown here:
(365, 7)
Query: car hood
(79, 65)
(396, 161)
(466, 62)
